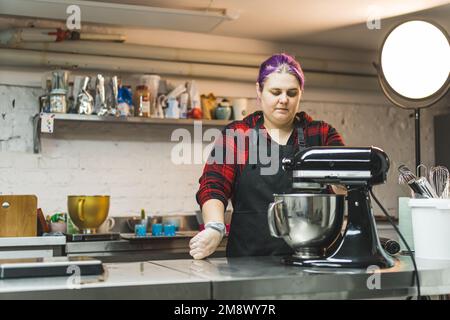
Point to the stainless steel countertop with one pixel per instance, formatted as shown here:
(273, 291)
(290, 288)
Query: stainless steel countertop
(236, 278)
(32, 241)
(138, 250)
(137, 280)
(267, 278)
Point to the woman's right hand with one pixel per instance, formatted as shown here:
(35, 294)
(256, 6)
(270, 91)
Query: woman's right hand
(205, 243)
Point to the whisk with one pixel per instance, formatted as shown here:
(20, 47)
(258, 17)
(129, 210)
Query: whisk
(420, 186)
(439, 178)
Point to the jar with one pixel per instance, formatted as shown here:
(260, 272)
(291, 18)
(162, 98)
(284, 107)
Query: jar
(223, 110)
(142, 101)
(58, 103)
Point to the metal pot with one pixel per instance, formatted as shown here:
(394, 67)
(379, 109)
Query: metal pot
(181, 222)
(309, 223)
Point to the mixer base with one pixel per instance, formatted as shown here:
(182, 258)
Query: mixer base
(379, 260)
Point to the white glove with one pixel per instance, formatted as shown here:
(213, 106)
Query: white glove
(205, 243)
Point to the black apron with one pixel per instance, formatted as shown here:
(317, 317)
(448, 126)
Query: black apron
(253, 192)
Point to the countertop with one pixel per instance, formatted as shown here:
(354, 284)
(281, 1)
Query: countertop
(31, 247)
(32, 241)
(150, 248)
(234, 278)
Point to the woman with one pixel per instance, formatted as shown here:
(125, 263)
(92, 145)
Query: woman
(279, 89)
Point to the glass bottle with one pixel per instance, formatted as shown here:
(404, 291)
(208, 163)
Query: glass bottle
(142, 101)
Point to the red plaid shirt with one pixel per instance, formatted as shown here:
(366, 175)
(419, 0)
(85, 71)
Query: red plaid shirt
(218, 179)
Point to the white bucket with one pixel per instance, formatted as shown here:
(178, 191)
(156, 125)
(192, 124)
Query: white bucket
(431, 228)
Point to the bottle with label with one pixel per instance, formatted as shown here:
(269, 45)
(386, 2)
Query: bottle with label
(44, 100)
(184, 100)
(142, 101)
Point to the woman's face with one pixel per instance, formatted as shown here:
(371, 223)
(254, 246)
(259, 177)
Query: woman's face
(280, 98)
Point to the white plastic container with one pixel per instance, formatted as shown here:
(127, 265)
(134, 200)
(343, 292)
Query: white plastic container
(431, 228)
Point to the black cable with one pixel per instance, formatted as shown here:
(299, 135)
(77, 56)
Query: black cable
(416, 272)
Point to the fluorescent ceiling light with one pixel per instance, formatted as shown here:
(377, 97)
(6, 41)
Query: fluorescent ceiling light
(119, 14)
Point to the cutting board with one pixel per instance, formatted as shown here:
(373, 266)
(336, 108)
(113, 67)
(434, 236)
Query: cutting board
(18, 216)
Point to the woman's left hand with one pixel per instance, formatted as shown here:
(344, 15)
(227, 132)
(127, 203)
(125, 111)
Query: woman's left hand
(205, 243)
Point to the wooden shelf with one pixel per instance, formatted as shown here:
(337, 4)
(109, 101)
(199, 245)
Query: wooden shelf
(138, 120)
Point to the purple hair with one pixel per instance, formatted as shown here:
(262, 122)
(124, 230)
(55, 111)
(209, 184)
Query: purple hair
(281, 63)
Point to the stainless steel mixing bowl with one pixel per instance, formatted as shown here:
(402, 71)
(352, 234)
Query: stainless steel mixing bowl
(309, 223)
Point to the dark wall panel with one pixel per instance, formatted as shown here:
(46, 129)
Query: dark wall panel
(442, 140)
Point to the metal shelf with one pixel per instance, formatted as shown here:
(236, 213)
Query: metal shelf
(60, 117)
(139, 120)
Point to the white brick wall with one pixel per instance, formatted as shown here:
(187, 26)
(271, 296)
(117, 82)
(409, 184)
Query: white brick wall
(132, 162)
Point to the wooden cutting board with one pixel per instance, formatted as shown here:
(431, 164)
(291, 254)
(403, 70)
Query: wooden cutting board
(18, 216)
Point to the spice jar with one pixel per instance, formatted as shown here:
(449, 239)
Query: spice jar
(142, 101)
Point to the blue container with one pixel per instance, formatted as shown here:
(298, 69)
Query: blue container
(157, 229)
(140, 230)
(169, 230)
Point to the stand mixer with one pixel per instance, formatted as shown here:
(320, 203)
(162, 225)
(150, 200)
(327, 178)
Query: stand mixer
(310, 218)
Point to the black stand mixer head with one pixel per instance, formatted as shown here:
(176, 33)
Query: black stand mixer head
(358, 169)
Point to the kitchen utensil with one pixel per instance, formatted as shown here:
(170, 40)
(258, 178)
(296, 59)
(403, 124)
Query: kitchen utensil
(114, 85)
(309, 223)
(100, 97)
(439, 177)
(85, 99)
(60, 82)
(240, 106)
(420, 186)
(107, 226)
(419, 170)
(426, 189)
(58, 94)
(133, 221)
(71, 106)
(77, 86)
(181, 222)
(18, 216)
(88, 212)
(406, 175)
(430, 221)
(58, 103)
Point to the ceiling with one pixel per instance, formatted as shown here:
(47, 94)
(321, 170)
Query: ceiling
(341, 23)
(332, 23)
